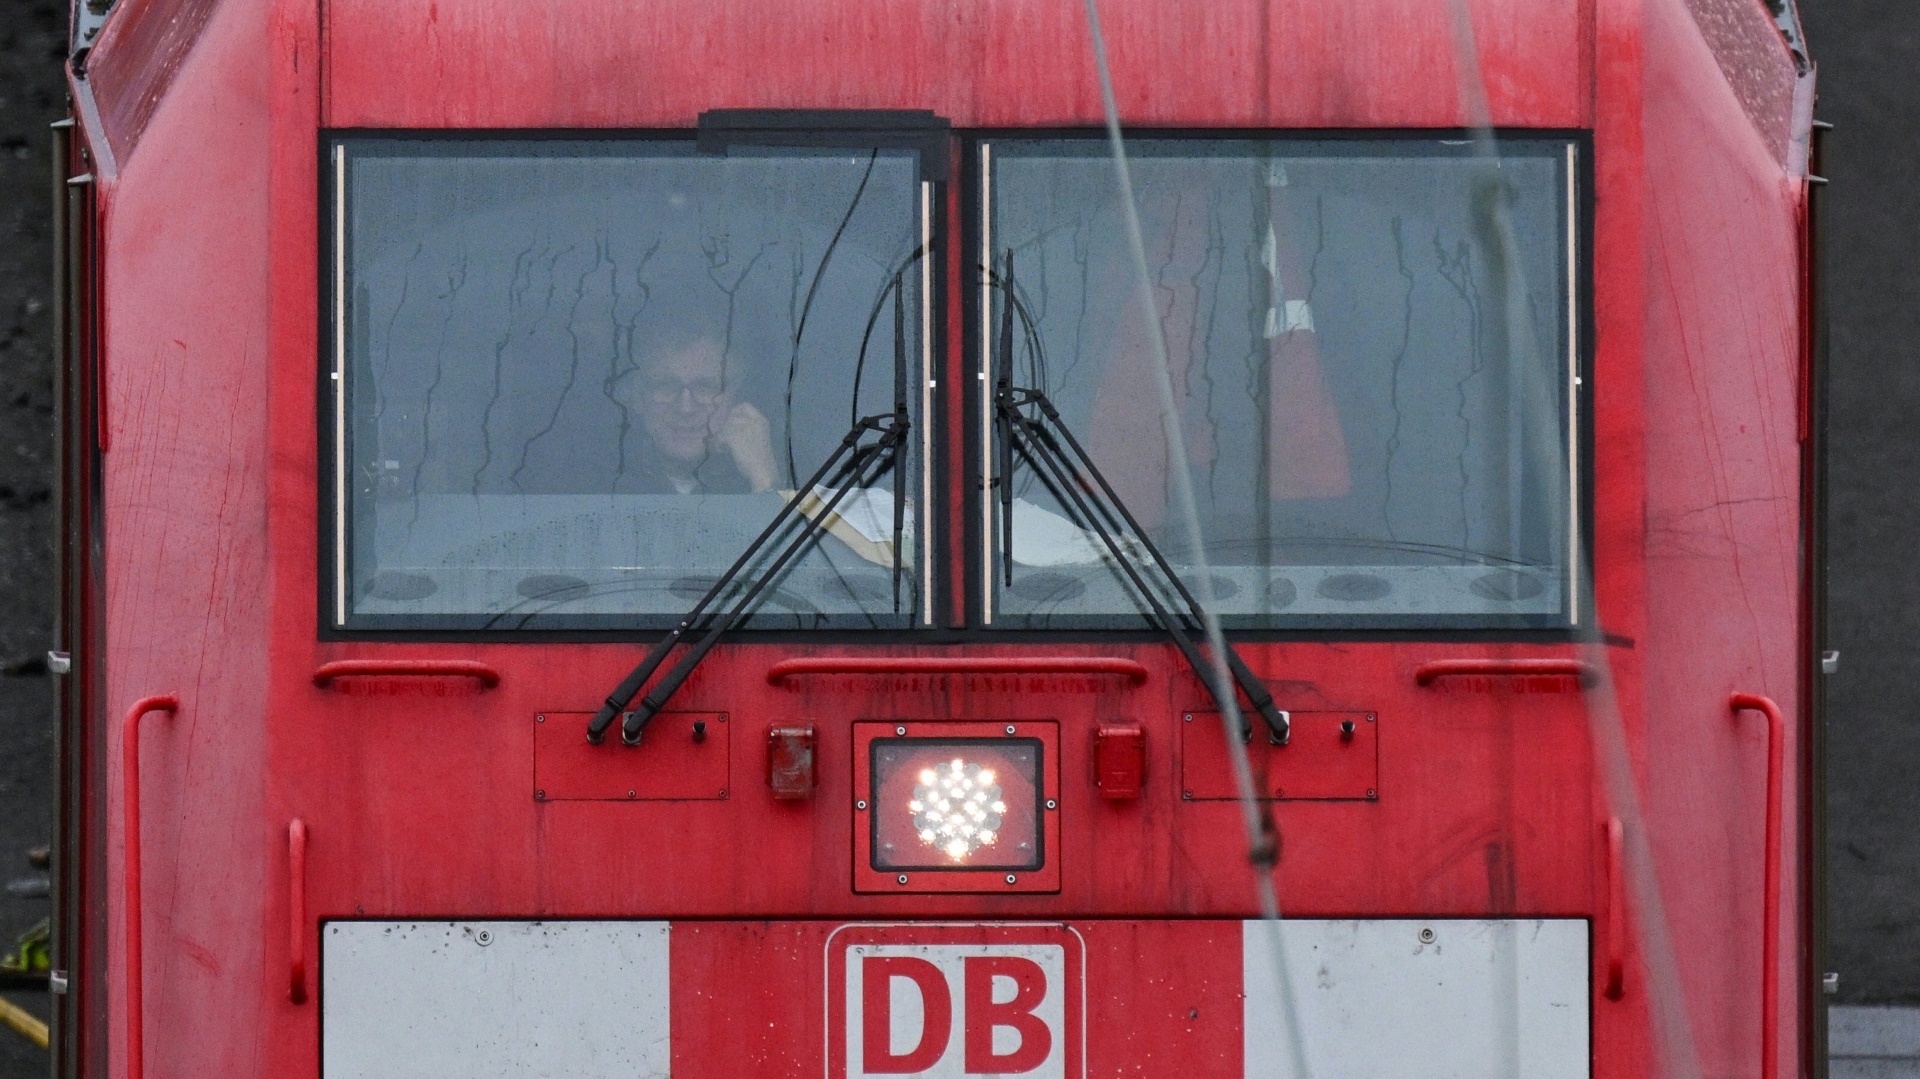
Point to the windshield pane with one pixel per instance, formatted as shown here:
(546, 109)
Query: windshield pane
(1371, 350)
(580, 377)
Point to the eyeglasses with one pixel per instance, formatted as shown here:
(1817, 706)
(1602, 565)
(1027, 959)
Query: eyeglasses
(668, 391)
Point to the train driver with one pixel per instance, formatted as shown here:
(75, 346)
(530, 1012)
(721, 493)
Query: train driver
(699, 437)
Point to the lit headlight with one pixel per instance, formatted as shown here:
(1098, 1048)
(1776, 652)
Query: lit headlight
(957, 808)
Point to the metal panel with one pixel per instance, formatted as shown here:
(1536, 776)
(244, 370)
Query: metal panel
(1434, 999)
(476, 1000)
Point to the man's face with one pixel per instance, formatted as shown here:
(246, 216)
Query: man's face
(679, 396)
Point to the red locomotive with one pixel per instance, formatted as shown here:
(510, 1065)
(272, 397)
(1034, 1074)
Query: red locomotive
(753, 539)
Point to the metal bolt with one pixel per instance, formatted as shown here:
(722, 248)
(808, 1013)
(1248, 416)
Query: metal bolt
(1369, 717)
(1051, 804)
(861, 804)
(1011, 879)
(1426, 936)
(483, 938)
(1187, 795)
(539, 719)
(723, 792)
(539, 796)
(1009, 728)
(902, 878)
(631, 794)
(1189, 717)
(899, 730)
(1370, 793)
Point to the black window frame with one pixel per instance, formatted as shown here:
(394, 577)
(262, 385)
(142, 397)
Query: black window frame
(1573, 625)
(926, 134)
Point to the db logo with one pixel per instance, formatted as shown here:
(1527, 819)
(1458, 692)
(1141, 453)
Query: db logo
(946, 1001)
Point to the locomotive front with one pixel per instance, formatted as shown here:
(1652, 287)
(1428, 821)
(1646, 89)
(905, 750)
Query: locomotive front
(723, 540)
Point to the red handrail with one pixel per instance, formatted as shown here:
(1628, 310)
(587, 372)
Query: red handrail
(297, 911)
(324, 675)
(1770, 920)
(1432, 670)
(1616, 910)
(1133, 672)
(130, 778)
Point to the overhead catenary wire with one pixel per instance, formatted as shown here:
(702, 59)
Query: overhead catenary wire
(1676, 1054)
(1262, 835)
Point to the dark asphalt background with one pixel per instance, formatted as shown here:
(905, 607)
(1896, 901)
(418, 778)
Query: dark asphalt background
(1869, 56)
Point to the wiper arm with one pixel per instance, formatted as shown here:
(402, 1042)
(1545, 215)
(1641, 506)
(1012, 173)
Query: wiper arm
(793, 532)
(1067, 471)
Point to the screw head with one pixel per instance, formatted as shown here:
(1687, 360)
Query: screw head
(1009, 728)
(1186, 796)
(632, 794)
(861, 804)
(483, 938)
(899, 730)
(1189, 717)
(539, 796)
(1426, 936)
(723, 792)
(901, 879)
(1051, 804)
(1012, 879)
(539, 719)
(1370, 793)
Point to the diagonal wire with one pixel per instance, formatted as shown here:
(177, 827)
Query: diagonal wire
(1674, 1045)
(1261, 838)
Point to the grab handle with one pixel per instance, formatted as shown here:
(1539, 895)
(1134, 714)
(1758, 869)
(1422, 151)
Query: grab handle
(1770, 920)
(1433, 670)
(482, 673)
(130, 780)
(1133, 672)
(1616, 909)
(297, 911)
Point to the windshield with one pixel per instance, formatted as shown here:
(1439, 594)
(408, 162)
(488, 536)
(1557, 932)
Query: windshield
(573, 379)
(1371, 443)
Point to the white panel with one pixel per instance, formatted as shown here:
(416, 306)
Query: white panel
(1479, 1000)
(429, 1000)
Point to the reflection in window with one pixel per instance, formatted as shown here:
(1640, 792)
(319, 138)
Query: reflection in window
(582, 376)
(1370, 345)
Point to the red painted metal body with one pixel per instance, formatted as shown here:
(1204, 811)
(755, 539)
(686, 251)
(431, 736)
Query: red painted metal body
(405, 765)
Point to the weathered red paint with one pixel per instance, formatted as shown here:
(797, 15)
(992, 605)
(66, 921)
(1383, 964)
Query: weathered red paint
(1489, 802)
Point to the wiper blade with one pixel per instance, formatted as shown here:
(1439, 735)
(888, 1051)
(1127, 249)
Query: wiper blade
(1029, 427)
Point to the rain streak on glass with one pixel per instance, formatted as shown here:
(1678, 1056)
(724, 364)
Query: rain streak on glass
(582, 375)
(1353, 414)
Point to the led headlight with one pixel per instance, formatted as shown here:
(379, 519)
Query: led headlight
(957, 808)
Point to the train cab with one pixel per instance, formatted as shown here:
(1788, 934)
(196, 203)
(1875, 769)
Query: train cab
(1277, 538)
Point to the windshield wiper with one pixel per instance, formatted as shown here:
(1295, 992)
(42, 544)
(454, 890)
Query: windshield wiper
(859, 461)
(1029, 428)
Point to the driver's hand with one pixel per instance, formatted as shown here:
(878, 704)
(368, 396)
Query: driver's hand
(746, 434)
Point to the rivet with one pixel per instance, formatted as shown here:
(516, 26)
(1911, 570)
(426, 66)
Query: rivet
(539, 796)
(1189, 717)
(1051, 804)
(1426, 936)
(1011, 878)
(1009, 728)
(902, 878)
(861, 804)
(1370, 793)
(723, 792)
(631, 794)
(483, 938)
(539, 719)
(1369, 717)
(1188, 795)
(899, 730)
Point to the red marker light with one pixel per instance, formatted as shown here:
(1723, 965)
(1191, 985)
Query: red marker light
(1120, 760)
(790, 761)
